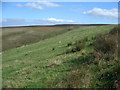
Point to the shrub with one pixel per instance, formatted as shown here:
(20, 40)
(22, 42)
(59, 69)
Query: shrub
(68, 51)
(69, 29)
(99, 73)
(69, 44)
(114, 30)
(109, 78)
(106, 44)
(90, 44)
(93, 37)
(53, 49)
(86, 39)
(79, 45)
(106, 49)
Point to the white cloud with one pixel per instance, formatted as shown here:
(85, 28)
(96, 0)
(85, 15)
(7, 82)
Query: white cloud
(48, 4)
(19, 5)
(34, 5)
(52, 21)
(60, 20)
(23, 22)
(112, 13)
(38, 5)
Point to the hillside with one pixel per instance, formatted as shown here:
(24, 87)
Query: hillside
(20, 36)
(46, 63)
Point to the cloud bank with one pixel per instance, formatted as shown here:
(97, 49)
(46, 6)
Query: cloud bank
(23, 22)
(13, 22)
(54, 20)
(98, 12)
(38, 5)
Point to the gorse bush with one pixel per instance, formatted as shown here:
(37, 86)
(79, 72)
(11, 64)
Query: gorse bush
(69, 29)
(114, 30)
(105, 49)
(85, 39)
(53, 49)
(100, 67)
(107, 43)
(94, 37)
(79, 45)
(106, 46)
(109, 79)
(69, 44)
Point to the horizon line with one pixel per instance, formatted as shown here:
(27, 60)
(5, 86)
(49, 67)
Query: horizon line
(52, 25)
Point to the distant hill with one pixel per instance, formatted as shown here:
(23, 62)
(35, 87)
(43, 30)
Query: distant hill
(59, 25)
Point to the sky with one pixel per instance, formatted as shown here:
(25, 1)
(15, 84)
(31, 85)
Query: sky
(51, 13)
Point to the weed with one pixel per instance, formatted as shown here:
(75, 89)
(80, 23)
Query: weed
(53, 49)
(79, 45)
(69, 44)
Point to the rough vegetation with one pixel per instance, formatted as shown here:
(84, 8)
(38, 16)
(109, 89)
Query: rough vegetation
(91, 61)
(102, 65)
(78, 46)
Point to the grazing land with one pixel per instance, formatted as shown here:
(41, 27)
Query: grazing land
(84, 57)
(20, 36)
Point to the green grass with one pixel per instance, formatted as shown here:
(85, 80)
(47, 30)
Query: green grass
(38, 66)
(19, 36)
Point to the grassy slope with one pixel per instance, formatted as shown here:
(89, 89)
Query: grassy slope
(18, 36)
(37, 65)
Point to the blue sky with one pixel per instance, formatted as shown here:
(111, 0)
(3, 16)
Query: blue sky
(49, 13)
